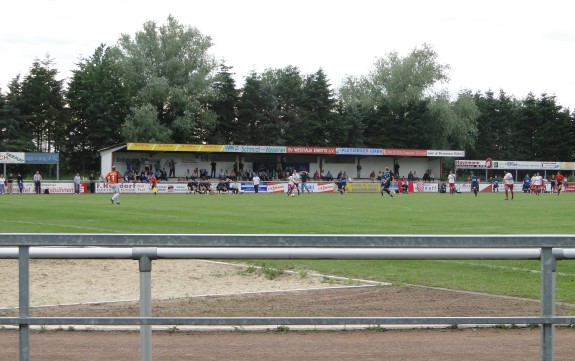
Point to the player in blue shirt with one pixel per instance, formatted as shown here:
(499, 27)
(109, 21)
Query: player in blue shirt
(385, 184)
(474, 183)
(342, 183)
(527, 184)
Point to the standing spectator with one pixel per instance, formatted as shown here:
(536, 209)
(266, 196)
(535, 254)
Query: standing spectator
(2, 184)
(172, 166)
(213, 173)
(396, 169)
(304, 178)
(77, 183)
(93, 183)
(20, 181)
(256, 180)
(38, 182)
(358, 169)
(508, 180)
(10, 181)
(113, 177)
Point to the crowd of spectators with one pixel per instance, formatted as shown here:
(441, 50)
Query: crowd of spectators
(145, 175)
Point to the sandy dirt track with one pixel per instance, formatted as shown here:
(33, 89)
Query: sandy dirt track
(199, 288)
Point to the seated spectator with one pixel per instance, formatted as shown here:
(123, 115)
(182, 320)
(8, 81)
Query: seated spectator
(442, 188)
(328, 176)
(426, 177)
(193, 186)
(404, 187)
(410, 176)
(316, 176)
(221, 187)
(372, 176)
(234, 187)
(163, 175)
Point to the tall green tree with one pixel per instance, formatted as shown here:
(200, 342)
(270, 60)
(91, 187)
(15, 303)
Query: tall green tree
(453, 124)
(496, 127)
(169, 68)
(395, 98)
(284, 89)
(99, 104)
(44, 106)
(544, 130)
(253, 105)
(224, 105)
(320, 119)
(15, 132)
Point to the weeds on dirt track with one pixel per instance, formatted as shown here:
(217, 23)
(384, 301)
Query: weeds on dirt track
(325, 213)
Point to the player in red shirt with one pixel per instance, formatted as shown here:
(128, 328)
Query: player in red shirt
(113, 178)
(559, 179)
(153, 184)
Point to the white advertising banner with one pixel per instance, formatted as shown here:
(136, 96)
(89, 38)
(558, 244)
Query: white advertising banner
(12, 157)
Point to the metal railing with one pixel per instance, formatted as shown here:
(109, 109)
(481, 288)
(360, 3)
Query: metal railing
(146, 248)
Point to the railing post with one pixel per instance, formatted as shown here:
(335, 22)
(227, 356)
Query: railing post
(24, 301)
(145, 257)
(548, 275)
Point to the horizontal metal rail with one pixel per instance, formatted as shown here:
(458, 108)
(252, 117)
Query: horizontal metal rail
(252, 321)
(288, 240)
(286, 253)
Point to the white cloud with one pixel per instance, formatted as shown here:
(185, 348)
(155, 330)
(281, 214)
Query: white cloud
(517, 46)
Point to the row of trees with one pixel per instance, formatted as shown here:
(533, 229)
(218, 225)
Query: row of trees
(161, 85)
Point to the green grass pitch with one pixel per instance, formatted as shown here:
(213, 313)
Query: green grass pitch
(322, 213)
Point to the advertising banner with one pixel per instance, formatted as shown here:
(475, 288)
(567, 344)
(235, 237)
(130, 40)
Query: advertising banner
(42, 158)
(359, 151)
(405, 152)
(363, 187)
(446, 153)
(12, 157)
(310, 150)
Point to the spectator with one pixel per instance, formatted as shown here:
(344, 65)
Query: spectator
(38, 182)
(316, 175)
(77, 183)
(256, 180)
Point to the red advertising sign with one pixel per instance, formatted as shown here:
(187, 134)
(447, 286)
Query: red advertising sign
(310, 150)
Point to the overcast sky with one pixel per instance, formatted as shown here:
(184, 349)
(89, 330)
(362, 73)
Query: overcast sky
(518, 46)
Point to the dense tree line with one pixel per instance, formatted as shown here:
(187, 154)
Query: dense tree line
(161, 85)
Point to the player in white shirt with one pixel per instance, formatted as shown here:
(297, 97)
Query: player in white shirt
(296, 180)
(508, 180)
(537, 181)
(451, 181)
(291, 185)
